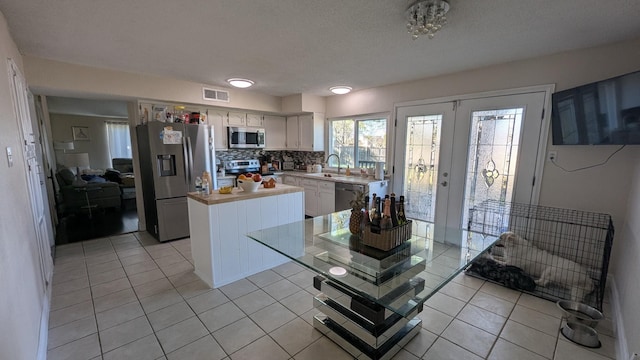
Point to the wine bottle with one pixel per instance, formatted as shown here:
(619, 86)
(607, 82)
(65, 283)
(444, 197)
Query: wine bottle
(386, 223)
(365, 219)
(394, 210)
(377, 217)
(372, 211)
(402, 217)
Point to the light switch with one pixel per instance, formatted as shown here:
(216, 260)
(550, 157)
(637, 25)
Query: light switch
(9, 156)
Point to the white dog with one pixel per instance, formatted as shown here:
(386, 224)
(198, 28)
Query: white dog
(547, 267)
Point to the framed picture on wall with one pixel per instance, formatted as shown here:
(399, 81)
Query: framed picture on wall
(80, 133)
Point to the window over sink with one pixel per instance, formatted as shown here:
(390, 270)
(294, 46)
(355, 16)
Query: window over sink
(360, 142)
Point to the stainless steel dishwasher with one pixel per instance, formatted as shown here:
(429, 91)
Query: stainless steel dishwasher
(345, 193)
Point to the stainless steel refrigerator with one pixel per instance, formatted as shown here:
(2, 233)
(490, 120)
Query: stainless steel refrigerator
(172, 155)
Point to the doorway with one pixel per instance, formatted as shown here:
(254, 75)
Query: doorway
(106, 204)
(455, 153)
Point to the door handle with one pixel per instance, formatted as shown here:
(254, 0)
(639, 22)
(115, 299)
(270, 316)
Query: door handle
(444, 183)
(185, 157)
(190, 164)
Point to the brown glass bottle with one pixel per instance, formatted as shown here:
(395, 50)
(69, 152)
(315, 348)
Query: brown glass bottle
(394, 211)
(372, 211)
(365, 219)
(385, 222)
(402, 217)
(377, 218)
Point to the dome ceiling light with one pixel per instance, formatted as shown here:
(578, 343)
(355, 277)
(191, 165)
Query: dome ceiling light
(340, 90)
(240, 83)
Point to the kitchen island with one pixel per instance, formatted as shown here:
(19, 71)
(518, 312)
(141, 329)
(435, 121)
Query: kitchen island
(218, 224)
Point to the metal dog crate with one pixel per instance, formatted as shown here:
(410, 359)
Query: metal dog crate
(580, 236)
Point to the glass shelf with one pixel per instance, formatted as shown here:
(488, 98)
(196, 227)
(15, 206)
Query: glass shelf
(430, 259)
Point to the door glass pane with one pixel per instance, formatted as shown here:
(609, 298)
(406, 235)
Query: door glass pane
(421, 166)
(341, 142)
(372, 142)
(493, 154)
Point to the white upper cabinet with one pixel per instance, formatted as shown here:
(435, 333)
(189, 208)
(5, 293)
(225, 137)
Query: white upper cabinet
(292, 132)
(237, 119)
(306, 132)
(255, 120)
(218, 119)
(275, 128)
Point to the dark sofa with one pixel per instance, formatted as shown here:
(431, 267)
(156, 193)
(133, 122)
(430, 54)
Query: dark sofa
(122, 173)
(98, 194)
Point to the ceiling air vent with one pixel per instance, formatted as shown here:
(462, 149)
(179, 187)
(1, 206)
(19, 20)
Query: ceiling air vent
(215, 95)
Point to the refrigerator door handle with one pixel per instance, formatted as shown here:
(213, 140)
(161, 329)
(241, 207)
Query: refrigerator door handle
(190, 164)
(185, 153)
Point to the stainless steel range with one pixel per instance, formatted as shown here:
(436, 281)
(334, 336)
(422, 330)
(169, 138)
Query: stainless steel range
(237, 167)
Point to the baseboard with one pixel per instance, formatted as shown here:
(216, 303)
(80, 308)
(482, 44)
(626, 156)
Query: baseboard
(44, 328)
(622, 351)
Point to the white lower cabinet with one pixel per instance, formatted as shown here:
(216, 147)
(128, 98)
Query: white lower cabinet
(291, 180)
(326, 197)
(310, 197)
(319, 197)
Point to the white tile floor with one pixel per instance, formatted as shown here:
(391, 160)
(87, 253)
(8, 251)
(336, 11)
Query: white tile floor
(130, 297)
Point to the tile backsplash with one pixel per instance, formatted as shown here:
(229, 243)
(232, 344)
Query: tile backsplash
(299, 157)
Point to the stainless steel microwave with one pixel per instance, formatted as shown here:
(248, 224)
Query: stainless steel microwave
(245, 138)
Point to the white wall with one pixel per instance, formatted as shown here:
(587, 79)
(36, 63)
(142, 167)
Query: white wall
(626, 268)
(48, 77)
(21, 298)
(97, 146)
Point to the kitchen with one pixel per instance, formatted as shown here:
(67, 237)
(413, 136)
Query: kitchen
(288, 149)
(566, 69)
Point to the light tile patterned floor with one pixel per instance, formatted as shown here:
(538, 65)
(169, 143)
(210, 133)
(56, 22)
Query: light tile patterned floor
(130, 297)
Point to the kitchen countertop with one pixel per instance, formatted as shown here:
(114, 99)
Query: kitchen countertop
(238, 194)
(352, 179)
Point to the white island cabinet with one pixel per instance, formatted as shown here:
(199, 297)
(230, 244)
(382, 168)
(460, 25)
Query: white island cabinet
(222, 253)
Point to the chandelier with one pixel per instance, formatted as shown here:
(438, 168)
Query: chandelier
(426, 17)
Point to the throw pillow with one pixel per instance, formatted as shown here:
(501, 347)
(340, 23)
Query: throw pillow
(67, 176)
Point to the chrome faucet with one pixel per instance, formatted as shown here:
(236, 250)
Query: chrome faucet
(338, 157)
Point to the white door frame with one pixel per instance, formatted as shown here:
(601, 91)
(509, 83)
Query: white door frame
(33, 172)
(542, 142)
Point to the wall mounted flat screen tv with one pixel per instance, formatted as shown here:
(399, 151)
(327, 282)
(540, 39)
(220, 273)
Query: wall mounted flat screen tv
(601, 113)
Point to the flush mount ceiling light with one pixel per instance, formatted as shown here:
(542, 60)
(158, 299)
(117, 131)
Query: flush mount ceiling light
(240, 83)
(340, 90)
(426, 17)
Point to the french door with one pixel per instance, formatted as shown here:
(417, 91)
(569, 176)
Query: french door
(452, 155)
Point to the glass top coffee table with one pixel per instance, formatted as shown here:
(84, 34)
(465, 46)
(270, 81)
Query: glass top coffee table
(369, 297)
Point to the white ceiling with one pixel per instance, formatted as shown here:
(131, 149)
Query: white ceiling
(306, 46)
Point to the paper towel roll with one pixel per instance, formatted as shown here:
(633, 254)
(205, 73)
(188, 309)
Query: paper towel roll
(379, 174)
